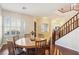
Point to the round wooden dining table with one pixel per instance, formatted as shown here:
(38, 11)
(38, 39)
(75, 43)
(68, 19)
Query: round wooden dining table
(25, 43)
(28, 44)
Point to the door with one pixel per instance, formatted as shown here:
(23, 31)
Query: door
(35, 29)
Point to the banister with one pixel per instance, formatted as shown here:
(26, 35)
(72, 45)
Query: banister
(70, 25)
(69, 19)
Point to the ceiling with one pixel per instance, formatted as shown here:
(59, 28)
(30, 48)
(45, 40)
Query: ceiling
(34, 9)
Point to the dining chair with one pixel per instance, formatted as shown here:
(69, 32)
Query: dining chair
(20, 50)
(30, 51)
(11, 48)
(40, 43)
(4, 50)
(40, 47)
(15, 38)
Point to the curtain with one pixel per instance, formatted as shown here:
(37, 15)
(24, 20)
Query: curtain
(13, 24)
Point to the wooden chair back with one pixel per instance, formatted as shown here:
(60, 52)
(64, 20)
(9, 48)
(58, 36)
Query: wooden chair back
(4, 50)
(4, 46)
(40, 47)
(15, 38)
(40, 43)
(11, 48)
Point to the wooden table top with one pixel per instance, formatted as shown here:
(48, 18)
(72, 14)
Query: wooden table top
(25, 43)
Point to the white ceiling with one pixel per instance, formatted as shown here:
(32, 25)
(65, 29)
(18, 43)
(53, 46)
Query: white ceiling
(34, 9)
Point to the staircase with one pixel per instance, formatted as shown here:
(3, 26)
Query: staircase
(69, 26)
(57, 51)
(66, 28)
(54, 50)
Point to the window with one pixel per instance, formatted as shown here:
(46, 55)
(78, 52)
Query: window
(6, 25)
(44, 27)
(13, 25)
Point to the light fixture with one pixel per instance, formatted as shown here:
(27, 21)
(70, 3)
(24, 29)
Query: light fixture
(24, 8)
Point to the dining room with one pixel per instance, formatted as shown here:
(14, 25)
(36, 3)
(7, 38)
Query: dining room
(20, 33)
(39, 29)
(25, 31)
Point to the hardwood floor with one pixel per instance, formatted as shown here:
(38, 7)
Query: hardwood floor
(4, 51)
(66, 51)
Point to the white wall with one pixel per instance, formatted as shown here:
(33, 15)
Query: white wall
(60, 18)
(70, 41)
(68, 15)
(0, 25)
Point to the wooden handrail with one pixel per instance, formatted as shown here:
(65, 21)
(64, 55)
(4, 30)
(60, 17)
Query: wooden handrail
(69, 26)
(69, 20)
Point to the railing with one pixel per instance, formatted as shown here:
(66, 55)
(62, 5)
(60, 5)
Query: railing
(57, 51)
(53, 49)
(69, 26)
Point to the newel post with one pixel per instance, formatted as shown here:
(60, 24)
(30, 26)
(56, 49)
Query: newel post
(52, 42)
